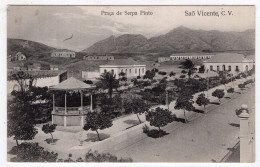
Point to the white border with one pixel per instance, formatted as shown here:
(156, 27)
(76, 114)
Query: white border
(3, 68)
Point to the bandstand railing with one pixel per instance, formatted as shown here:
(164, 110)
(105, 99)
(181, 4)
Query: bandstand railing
(71, 110)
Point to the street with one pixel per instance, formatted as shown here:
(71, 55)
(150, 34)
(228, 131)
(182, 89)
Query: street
(201, 140)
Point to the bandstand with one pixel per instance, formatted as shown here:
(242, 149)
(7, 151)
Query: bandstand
(71, 116)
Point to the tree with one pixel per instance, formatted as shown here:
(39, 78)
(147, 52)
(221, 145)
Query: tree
(189, 66)
(88, 82)
(159, 117)
(155, 70)
(25, 80)
(21, 116)
(185, 103)
(136, 106)
(219, 93)
(202, 100)
(172, 74)
(47, 128)
(32, 152)
(97, 121)
(104, 157)
(108, 81)
(230, 90)
(149, 74)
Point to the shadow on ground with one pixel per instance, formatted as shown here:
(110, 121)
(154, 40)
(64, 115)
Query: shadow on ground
(199, 111)
(216, 103)
(227, 97)
(132, 122)
(235, 125)
(179, 119)
(93, 137)
(49, 141)
(154, 133)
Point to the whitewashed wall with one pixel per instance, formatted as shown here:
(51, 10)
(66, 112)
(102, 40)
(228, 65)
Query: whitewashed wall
(41, 82)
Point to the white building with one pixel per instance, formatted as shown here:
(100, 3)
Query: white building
(130, 67)
(163, 59)
(90, 75)
(98, 57)
(189, 57)
(69, 54)
(41, 79)
(233, 62)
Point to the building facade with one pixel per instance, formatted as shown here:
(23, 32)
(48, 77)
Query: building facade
(232, 62)
(17, 57)
(190, 57)
(67, 54)
(130, 67)
(98, 57)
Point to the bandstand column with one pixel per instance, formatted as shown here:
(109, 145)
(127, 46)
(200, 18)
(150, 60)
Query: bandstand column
(82, 118)
(91, 106)
(53, 110)
(65, 112)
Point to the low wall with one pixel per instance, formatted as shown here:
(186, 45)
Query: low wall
(72, 120)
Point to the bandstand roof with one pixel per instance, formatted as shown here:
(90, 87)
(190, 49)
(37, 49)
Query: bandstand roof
(71, 84)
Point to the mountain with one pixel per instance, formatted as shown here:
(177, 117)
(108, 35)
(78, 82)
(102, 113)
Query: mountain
(180, 39)
(30, 48)
(127, 43)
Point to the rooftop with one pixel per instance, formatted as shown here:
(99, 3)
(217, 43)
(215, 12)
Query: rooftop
(119, 62)
(71, 84)
(37, 74)
(227, 58)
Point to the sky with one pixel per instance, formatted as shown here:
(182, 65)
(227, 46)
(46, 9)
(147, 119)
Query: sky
(51, 25)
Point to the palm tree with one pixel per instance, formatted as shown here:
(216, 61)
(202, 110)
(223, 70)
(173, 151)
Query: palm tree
(108, 81)
(189, 66)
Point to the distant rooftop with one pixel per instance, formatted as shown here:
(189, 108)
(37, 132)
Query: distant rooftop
(192, 54)
(119, 62)
(227, 58)
(37, 74)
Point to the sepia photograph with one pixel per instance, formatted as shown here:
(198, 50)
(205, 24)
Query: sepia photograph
(130, 84)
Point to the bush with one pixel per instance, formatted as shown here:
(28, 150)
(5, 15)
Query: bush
(138, 77)
(241, 86)
(182, 76)
(231, 90)
(162, 73)
(154, 133)
(104, 157)
(146, 129)
(239, 111)
(32, 152)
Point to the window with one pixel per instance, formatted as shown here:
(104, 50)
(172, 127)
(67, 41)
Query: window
(125, 71)
(105, 71)
(237, 69)
(217, 68)
(112, 71)
(211, 68)
(122, 70)
(135, 71)
(129, 71)
(143, 70)
(229, 68)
